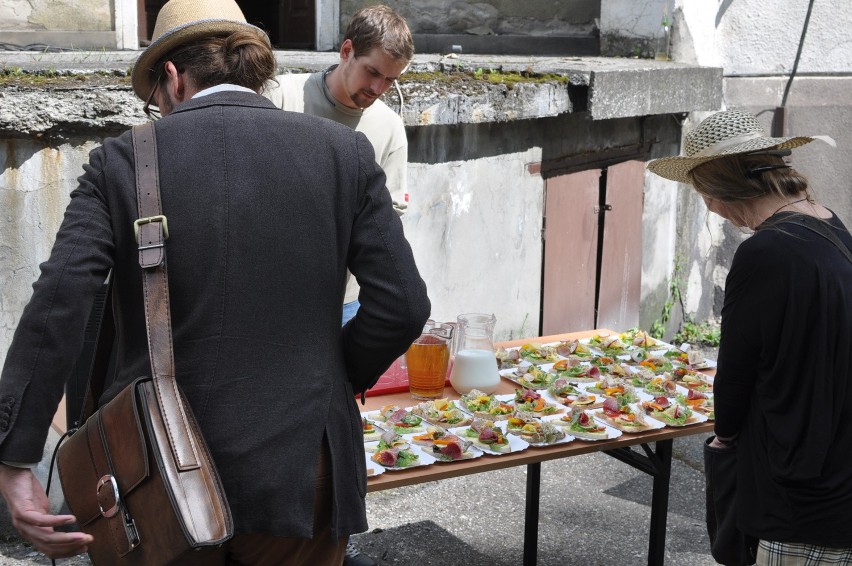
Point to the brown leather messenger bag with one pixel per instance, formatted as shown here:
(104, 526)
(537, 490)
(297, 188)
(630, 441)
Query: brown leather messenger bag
(137, 474)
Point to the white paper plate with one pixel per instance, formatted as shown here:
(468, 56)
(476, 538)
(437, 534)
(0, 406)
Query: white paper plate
(638, 390)
(471, 453)
(371, 446)
(424, 459)
(373, 469)
(653, 424)
(568, 438)
(515, 444)
(503, 398)
(699, 418)
(708, 364)
(611, 432)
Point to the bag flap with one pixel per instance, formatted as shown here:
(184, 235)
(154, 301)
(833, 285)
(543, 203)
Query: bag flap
(110, 437)
(121, 427)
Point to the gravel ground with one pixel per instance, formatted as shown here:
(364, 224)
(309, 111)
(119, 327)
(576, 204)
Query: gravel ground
(594, 511)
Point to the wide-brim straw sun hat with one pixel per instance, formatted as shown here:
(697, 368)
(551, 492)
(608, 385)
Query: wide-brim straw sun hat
(726, 133)
(183, 21)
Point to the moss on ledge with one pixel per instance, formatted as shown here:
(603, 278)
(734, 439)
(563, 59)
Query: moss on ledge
(491, 76)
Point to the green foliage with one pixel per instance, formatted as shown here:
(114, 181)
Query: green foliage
(658, 327)
(702, 333)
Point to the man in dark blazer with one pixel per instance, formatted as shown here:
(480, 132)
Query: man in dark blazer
(266, 211)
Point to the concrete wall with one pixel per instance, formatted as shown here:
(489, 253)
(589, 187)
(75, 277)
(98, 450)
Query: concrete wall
(755, 42)
(503, 17)
(630, 28)
(65, 15)
(70, 24)
(475, 228)
(35, 182)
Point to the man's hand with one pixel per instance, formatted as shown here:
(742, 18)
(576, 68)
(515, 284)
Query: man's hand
(28, 505)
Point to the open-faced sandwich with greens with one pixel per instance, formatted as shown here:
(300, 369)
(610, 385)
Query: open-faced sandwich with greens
(692, 379)
(536, 432)
(538, 354)
(699, 402)
(400, 420)
(568, 348)
(622, 416)
(487, 435)
(441, 412)
(675, 415)
(530, 401)
(484, 406)
(576, 372)
(371, 431)
(661, 386)
(580, 424)
(530, 375)
(610, 345)
(445, 446)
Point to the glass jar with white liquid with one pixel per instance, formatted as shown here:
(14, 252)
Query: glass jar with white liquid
(474, 365)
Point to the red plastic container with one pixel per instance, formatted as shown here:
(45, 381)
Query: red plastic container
(394, 380)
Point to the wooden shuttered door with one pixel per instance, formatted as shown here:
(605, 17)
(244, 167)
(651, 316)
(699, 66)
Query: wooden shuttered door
(593, 249)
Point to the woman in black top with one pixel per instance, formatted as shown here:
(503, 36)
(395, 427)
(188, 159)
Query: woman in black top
(783, 387)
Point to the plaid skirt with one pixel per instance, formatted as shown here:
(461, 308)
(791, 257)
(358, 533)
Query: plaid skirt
(797, 554)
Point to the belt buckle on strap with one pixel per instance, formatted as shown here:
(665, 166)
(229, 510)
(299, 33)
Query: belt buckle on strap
(159, 218)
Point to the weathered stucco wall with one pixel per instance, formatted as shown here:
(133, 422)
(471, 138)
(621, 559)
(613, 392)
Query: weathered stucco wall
(35, 181)
(630, 28)
(502, 17)
(475, 228)
(755, 41)
(762, 36)
(65, 15)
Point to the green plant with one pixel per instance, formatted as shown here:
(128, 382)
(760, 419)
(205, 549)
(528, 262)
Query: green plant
(703, 333)
(658, 327)
(522, 330)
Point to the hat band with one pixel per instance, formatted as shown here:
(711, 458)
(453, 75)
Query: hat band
(721, 146)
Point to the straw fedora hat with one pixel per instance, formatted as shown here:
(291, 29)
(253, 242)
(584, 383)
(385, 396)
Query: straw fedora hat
(726, 133)
(180, 22)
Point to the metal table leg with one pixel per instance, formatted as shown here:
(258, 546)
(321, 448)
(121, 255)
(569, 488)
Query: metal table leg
(658, 465)
(531, 514)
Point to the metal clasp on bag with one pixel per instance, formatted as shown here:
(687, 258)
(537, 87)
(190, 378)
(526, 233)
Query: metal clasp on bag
(112, 511)
(159, 218)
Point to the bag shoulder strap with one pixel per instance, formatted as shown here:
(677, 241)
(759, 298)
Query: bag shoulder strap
(151, 229)
(822, 228)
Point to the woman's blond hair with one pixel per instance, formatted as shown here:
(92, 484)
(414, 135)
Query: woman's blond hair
(747, 176)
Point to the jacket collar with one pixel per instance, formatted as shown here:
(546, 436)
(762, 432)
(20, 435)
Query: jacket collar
(225, 98)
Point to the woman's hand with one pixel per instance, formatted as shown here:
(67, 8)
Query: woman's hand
(30, 511)
(725, 443)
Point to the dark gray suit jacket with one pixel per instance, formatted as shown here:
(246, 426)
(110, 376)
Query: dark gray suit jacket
(266, 209)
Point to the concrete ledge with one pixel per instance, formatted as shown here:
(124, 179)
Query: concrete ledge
(438, 90)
